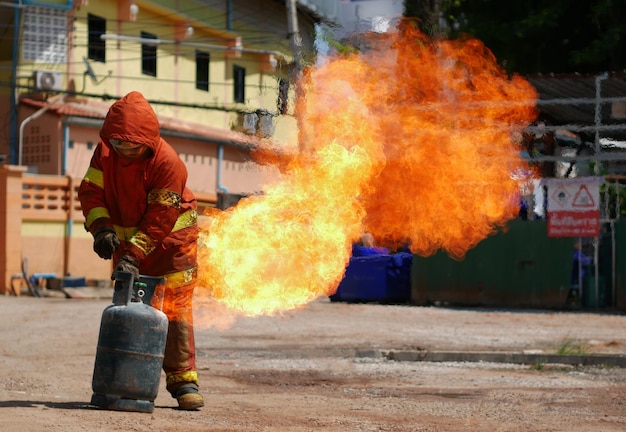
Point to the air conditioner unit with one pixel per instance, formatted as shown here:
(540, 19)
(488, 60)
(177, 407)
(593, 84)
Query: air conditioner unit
(266, 124)
(48, 80)
(249, 123)
(246, 123)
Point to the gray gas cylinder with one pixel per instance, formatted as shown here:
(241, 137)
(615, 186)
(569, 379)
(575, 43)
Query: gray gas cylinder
(131, 346)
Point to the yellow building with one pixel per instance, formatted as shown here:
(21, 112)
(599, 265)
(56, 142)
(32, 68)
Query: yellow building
(219, 75)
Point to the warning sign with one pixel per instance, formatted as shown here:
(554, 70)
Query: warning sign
(573, 207)
(583, 199)
(574, 224)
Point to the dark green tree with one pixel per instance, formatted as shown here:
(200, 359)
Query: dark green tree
(425, 13)
(533, 36)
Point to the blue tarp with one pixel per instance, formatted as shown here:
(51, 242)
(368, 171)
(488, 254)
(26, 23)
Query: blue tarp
(384, 278)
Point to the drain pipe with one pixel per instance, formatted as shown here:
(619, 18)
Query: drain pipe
(66, 145)
(69, 223)
(69, 229)
(220, 160)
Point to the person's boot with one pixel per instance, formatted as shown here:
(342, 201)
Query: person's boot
(188, 397)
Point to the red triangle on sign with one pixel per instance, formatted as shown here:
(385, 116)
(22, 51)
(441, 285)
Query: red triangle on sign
(583, 198)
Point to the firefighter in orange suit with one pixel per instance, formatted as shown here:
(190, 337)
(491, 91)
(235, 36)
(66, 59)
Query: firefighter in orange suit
(142, 216)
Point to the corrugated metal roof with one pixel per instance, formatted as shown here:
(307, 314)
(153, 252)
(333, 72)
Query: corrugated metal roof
(571, 100)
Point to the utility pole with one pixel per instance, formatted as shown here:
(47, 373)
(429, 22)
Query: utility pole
(298, 58)
(294, 34)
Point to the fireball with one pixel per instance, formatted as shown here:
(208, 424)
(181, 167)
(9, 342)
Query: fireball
(411, 139)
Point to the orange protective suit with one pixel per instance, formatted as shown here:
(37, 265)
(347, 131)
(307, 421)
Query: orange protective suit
(154, 215)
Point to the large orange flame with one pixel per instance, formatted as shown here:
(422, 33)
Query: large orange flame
(410, 139)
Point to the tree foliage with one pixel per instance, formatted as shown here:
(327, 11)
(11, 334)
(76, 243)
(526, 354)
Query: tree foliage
(535, 36)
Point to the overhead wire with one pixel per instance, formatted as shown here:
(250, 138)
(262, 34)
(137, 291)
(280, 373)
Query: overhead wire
(273, 38)
(132, 54)
(254, 35)
(80, 41)
(268, 36)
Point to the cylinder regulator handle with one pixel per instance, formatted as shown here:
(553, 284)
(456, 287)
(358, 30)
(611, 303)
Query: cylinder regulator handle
(123, 292)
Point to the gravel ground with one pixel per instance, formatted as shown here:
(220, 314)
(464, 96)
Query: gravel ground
(324, 368)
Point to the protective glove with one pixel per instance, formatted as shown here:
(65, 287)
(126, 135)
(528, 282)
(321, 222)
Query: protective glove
(127, 264)
(105, 242)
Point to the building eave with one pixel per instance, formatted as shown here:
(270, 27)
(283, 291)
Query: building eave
(91, 113)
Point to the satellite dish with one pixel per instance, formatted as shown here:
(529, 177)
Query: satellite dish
(91, 74)
(90, 71)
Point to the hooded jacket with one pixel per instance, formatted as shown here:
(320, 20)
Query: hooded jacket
(145, 201)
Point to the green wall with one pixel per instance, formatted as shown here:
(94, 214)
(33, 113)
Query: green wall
(522, 267)
(620, 266)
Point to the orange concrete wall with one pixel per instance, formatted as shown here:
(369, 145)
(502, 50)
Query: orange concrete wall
(46, 245)
(10, 223)
(41, 220)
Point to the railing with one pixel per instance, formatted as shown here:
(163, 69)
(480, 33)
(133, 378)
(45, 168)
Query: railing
(55, 198)
(50, 198)
(33, 206)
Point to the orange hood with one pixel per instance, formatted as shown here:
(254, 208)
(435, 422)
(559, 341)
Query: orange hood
(132, 119)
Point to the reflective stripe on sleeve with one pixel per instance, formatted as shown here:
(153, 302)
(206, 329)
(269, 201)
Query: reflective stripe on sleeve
(185, 220)
(96, 213)
(143, 242)
(165, 197)
(95, 177)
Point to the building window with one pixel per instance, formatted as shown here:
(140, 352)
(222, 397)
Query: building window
(96, 48)
(239, 77)
(44, 35)
(148, 56)
(202, 70)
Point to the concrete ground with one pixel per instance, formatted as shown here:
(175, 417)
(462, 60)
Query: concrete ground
(333, 367)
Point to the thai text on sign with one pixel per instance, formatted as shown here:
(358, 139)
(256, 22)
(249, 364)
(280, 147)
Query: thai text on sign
(573, 207)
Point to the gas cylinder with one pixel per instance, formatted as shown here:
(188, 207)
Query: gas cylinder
(131, 346)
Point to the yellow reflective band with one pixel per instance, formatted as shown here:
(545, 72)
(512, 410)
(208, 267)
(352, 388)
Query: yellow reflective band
(185, 220)
(94, 176)
(96, 213)
(143, 242)
(184, 377)
(125, 233)
(181, 278)
(165, 197)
